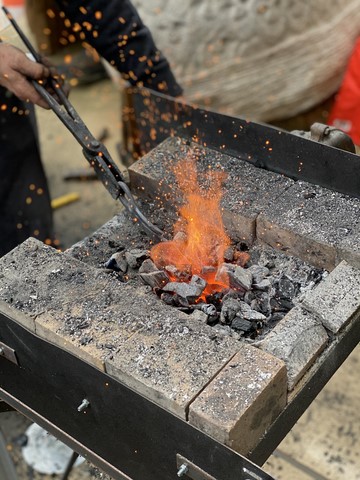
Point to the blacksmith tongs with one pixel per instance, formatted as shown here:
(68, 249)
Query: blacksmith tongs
(94, 151)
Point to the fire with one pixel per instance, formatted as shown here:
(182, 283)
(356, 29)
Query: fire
(200, 240)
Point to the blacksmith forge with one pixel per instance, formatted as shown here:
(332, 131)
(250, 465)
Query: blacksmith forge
(145, 391)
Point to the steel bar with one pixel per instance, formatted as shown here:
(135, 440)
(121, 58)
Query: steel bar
(70, 465)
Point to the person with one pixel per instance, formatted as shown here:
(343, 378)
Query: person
(25, 208)
(115, 30)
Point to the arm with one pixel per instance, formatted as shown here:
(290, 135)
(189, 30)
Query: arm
(16, 70)
(115, 30)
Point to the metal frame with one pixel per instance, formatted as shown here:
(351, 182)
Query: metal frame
(7, 469)
(127, 435)
(150, 117)
(120, 431)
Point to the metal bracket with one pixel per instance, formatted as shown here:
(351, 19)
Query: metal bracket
(8, 353)
(327, 135)
(188, 470)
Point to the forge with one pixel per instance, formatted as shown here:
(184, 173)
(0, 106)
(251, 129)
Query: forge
(167, 384)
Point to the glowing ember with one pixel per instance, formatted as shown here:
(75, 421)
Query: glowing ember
(200, 240)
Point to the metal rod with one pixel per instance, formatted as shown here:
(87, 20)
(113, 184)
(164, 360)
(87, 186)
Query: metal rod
(70, 465)
(14, 23)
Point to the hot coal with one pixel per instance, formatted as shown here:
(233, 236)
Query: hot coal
(148, 266)
(239, 278)
(229, 309)
(259, 273)
(286, 288)
(187, 291)
(207, 308)
(259, 296)
(183, 275)
(157, 279)
(169, 299)
(216, 299)
(247, 313)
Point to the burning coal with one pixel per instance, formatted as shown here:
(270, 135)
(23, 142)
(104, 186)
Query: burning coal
(202, 273)
(200, 240)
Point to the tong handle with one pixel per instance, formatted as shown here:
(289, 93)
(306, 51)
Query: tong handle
(94, 151)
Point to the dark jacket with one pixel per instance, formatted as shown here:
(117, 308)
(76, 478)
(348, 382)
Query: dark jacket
(115, 30)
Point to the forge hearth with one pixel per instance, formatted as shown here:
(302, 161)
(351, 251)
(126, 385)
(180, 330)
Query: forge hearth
(227, 384)
(257, 298)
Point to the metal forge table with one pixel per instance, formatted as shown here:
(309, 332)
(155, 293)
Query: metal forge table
(121, 431)
(100, 416)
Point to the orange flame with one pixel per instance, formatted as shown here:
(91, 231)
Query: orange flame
(204, 240)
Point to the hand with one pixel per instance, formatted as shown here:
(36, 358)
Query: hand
(16, 72)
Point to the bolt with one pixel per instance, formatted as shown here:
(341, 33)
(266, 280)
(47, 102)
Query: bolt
(182, 470)
(84, 405)
(2, 351)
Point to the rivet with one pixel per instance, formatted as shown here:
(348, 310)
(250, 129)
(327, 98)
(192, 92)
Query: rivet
(94, 144)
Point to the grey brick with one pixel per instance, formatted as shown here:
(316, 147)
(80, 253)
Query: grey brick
(298, 339)
(172, 361)
(74, 305)
(348, 247)
(247, 189)
(336, 300)
(309, 221)
(242, 401)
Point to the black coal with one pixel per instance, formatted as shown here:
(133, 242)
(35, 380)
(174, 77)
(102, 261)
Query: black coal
(259, 296)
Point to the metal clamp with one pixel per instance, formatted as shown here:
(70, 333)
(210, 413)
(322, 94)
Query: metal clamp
(327, 135)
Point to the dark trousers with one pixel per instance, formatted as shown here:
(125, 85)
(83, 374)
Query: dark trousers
(25, 209)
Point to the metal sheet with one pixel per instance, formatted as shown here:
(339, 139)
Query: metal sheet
(150, 117)
(122, 432)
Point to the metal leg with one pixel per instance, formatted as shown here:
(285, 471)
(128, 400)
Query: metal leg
(4, 407)
(7, 469)
(70, 465)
